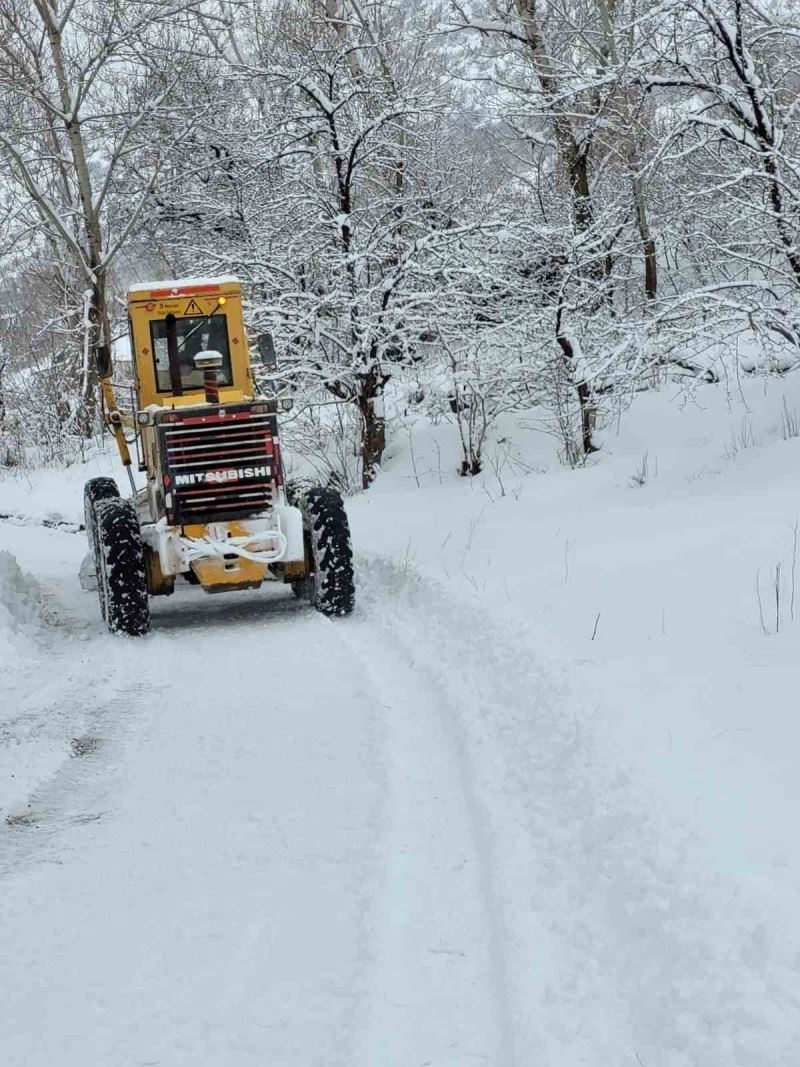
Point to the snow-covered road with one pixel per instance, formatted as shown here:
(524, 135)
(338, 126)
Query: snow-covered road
(260, 848)
(261, 837)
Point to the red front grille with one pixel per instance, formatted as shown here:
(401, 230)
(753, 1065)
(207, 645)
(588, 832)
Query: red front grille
(218, 466)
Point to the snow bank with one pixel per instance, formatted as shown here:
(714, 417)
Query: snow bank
(20, 606)
(44, 700)
(31, 750)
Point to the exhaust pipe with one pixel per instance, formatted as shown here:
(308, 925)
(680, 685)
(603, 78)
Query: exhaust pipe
(210, 362)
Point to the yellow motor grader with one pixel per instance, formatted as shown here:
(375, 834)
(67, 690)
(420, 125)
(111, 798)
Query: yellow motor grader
(214, 508)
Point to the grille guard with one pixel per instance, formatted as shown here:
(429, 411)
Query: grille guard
(218, 463)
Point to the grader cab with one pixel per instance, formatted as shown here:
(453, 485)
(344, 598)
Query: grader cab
(214, 507)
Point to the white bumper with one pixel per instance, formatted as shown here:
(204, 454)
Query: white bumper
(273, 538)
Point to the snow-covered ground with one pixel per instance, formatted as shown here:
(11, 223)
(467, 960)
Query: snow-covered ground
(534, 803)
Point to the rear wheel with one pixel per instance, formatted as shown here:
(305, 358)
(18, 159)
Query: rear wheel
(121, 577)
(331, 587)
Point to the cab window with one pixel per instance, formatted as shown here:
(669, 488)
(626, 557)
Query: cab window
(195, 333)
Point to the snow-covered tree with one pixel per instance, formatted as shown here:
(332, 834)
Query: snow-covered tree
(727, 71)
(78, 106)
(342, 185)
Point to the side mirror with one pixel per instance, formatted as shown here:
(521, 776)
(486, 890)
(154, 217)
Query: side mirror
(285, 403)
(102, 356)
(266, 351)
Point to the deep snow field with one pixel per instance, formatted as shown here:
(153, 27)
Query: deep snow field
(534, 803)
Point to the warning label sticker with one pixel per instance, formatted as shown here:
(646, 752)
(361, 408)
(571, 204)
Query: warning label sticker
(193, 308)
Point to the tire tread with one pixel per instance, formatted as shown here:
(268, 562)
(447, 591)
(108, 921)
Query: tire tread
(329, 534)
(122, 575)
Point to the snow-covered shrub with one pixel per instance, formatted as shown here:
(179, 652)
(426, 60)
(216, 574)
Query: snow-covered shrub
(322, 440)
(489, 373)
(45, 421)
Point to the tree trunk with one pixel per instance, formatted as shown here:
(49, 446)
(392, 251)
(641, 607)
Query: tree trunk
(373, 430)
(607, 10)
(98, 322)
(586, 400)
(99, 333)
(574, 155)
(784, 228)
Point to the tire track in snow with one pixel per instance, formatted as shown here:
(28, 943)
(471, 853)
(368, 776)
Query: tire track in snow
(623, 942)
(439, 964)
(74, 728)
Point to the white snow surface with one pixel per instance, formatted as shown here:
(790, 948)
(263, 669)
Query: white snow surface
(533, 803)
(181, 283)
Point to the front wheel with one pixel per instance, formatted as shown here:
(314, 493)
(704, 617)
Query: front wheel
(331, 586)
(121, 578)
(95, 490)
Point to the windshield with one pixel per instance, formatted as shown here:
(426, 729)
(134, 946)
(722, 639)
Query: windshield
(195, 333)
